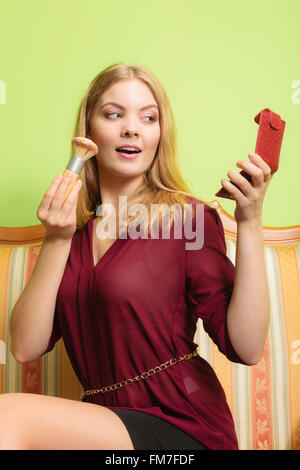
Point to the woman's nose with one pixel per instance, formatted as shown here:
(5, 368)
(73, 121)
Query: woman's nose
(129, 130)
(130, 126)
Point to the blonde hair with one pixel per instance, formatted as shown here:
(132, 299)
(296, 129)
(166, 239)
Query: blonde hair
(163, 182)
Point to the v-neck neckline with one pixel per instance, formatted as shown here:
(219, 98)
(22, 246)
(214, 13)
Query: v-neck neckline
(109, 252)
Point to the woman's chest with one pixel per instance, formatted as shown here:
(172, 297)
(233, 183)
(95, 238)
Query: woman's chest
(117, 270)
(101, 241)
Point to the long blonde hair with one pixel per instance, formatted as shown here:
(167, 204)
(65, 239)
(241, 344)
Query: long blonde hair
(163, 181)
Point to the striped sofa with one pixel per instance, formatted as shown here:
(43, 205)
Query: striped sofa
(264, 399)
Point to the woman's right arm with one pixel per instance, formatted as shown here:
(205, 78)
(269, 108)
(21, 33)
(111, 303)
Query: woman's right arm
(32, 317)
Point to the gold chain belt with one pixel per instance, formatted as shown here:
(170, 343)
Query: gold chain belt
(144, 375)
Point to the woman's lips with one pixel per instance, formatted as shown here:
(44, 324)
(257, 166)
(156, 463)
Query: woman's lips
(127, 155)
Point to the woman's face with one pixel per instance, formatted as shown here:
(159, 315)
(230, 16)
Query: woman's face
(113, 126)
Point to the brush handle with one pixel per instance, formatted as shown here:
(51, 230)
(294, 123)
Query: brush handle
(75, 177)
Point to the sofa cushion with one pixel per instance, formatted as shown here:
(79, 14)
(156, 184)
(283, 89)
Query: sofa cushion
(52, 374)
(264, 399)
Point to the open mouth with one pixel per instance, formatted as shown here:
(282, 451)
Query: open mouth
(128, 153)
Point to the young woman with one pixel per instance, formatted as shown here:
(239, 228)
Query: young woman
(127, 308)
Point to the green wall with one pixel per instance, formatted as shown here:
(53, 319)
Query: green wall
(221, 63)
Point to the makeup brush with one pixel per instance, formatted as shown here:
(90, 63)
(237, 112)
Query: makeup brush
(83, 149)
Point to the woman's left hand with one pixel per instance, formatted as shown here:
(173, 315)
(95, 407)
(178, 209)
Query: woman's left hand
(250, 196)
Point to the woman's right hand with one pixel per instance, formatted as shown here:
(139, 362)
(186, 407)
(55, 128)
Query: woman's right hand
(58, 218)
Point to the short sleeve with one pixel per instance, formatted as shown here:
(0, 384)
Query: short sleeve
(55, 334)
(209, 282)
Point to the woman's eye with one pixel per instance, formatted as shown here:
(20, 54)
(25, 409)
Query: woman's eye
(150, 117)
(109, 114)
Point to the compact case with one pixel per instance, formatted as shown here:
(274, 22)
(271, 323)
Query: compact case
(268, 143)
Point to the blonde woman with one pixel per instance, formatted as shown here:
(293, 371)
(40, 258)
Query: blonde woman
(127, 307)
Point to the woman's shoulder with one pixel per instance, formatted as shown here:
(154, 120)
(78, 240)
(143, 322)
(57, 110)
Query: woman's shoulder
(209, 211)
(206, 220)
(82, 229)
(83, 220)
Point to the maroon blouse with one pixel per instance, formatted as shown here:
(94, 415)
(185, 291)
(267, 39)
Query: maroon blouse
(137, 308)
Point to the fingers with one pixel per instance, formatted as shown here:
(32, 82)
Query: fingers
(53, 198)
(257, 168)
(237, 192)
(239, 187)
(48, 196)
(60, 192)
(69, 205)
(257, 160)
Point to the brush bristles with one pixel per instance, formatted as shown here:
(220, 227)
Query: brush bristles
(84, 148)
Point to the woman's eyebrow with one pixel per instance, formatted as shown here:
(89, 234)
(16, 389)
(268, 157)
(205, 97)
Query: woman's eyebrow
(122, 107)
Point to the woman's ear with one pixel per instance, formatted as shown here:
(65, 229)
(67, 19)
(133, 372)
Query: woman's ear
(88, 132)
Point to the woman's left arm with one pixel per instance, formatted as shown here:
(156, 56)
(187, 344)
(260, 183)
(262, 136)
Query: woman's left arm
(249, 308)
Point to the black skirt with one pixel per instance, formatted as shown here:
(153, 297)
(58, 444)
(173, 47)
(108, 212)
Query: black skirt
(149, 432)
